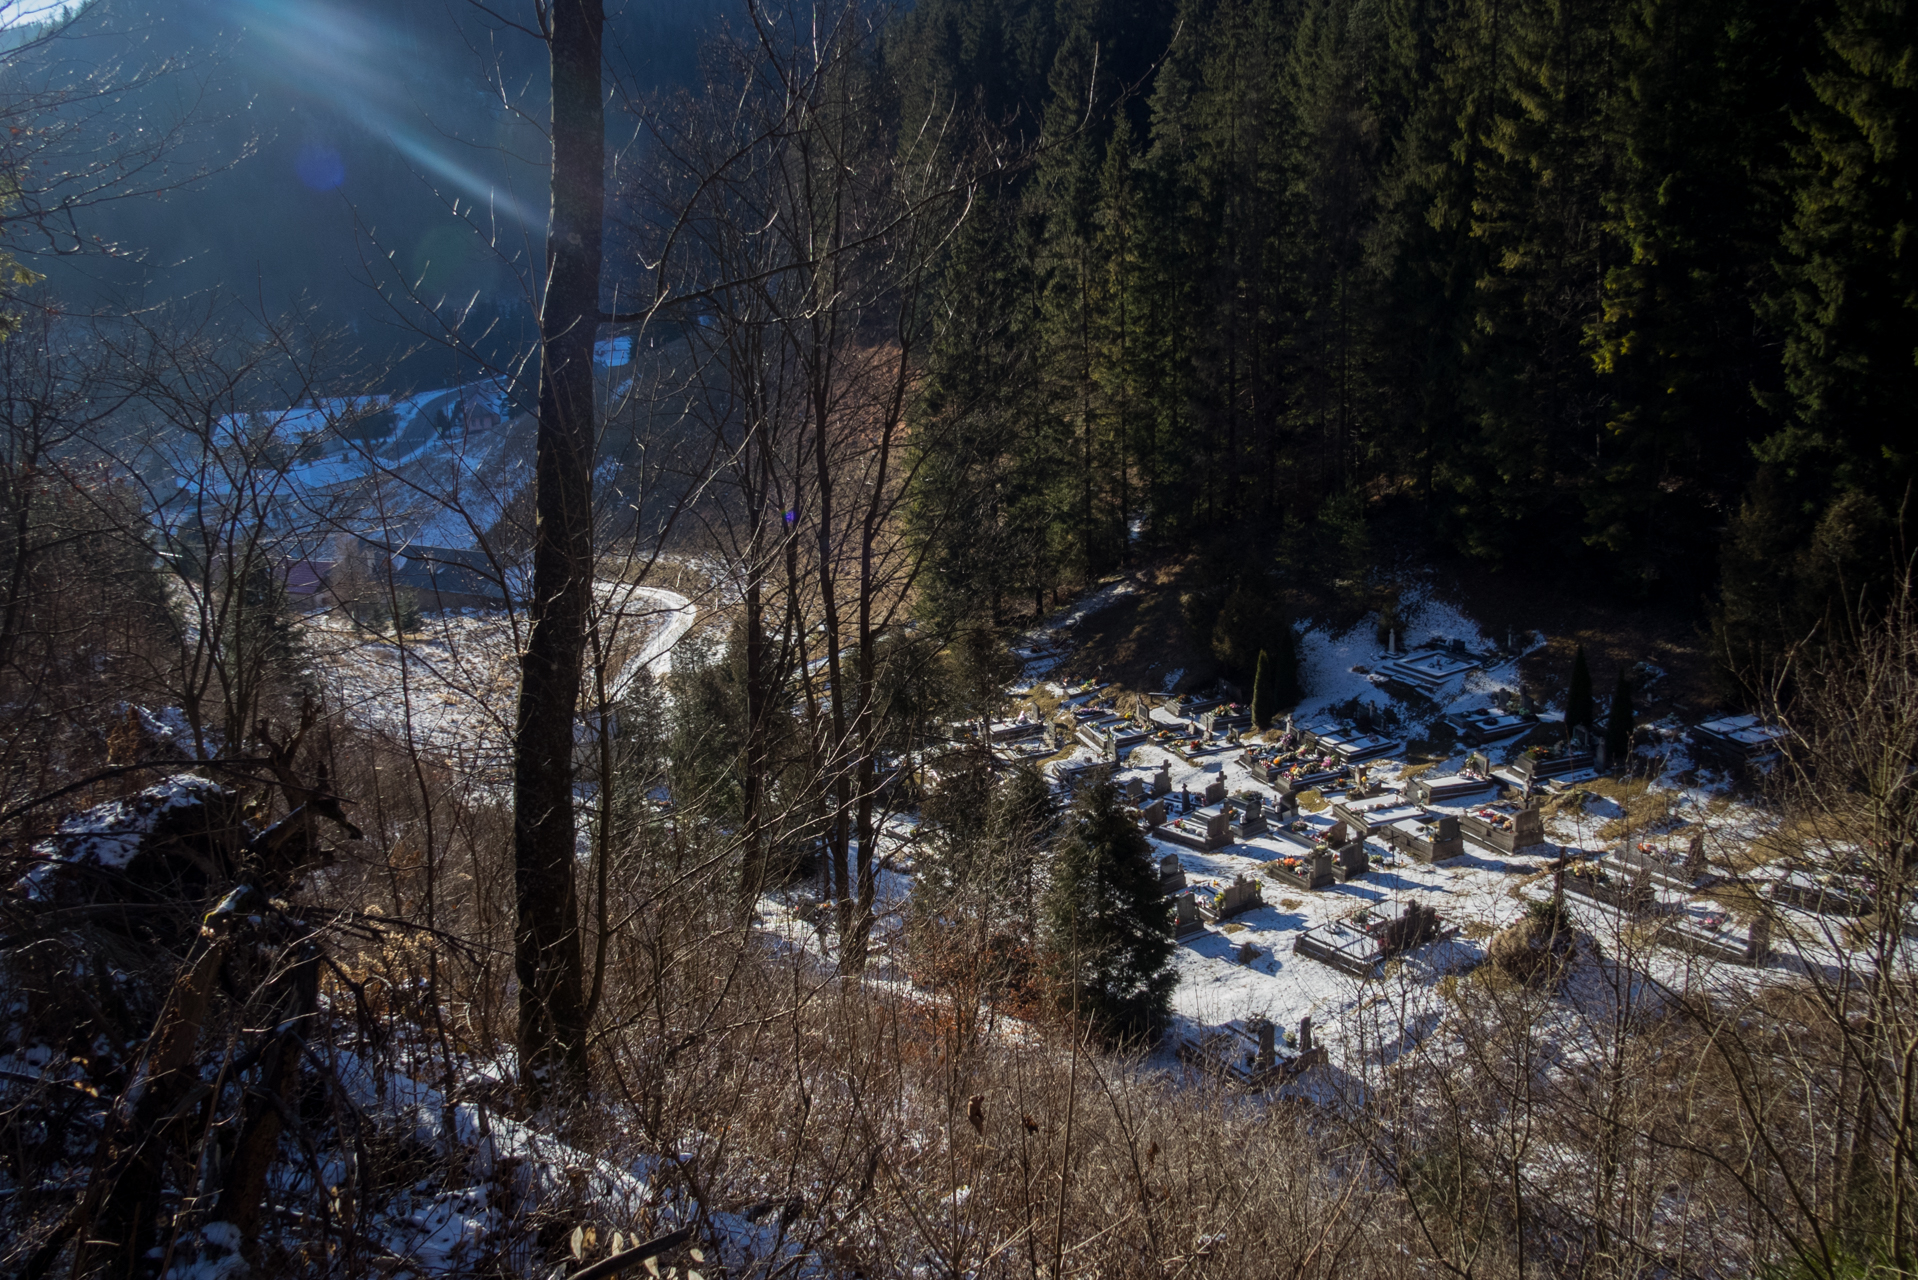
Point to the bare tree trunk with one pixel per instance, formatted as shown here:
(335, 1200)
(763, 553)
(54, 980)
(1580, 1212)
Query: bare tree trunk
(547, 948)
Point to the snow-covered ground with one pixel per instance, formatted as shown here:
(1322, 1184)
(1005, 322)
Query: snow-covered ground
(451, 687)
(1479, 893)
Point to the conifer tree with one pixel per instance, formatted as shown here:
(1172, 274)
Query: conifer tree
(1618, 721)
(1108, 929)
(1578, 697)
(1261, 694)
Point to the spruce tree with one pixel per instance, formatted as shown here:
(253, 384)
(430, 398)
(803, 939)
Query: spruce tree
(1578, 698)
(1108, 929)
(1618, 721)
(1261, 694)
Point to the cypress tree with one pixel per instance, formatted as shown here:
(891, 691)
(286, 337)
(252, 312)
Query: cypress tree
(1109, 933)
(1261, 694)
(1578, 698)
(1618, 722)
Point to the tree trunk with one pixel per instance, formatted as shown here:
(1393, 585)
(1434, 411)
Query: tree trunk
(546, 944)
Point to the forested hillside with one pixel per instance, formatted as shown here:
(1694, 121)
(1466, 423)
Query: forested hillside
(1617, 291)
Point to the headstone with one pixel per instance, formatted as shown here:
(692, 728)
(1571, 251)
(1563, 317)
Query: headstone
(1695, 854)
(1215, 790)
(1162, 780)
(1243, 894)
(1353, 861)
(1261, 1031)
(1254, 807)
(1134, 791)
(1305, 1035)
(1153, 815)
(1581, 738)
(1247, 953)
(1186, 915)
(1337, 835)
(1758, 942)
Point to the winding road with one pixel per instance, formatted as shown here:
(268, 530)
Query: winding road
(630, 603)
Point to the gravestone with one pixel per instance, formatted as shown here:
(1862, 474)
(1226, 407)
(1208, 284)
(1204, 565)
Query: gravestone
(1153, 815)
(1337, 835)
(1162, 780)
(1758, 941)
(1171, 874)
(1353, 861)
(1215, 790)
(1186, 919)
(1695, 854)
(1134, 791)
(1243, 894)
(1305, 1035)
(1261, 1030)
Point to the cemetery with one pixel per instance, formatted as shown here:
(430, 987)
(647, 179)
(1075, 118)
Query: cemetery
(1297, 859)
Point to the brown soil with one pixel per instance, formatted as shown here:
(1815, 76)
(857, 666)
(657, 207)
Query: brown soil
(1142, 639)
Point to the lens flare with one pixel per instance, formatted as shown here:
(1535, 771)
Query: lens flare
(320, 168)
(362, 69)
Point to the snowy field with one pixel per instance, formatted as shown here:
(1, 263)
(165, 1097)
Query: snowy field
(450, 689)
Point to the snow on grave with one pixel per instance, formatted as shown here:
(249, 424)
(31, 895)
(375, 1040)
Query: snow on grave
(1668, 868)
(1311, 862)
(1739, 741)
(1709, 936)
(1483, 728)
(1431, 671)
(1245, 1052)
(1505, 828)
(1823, 892)
(1347, 744)
(1475, 779)
(1630, 890)
(1537, 764)
(1356, 944)
(1430, 839)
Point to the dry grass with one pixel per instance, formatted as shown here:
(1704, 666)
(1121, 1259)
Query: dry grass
(1645, 810)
